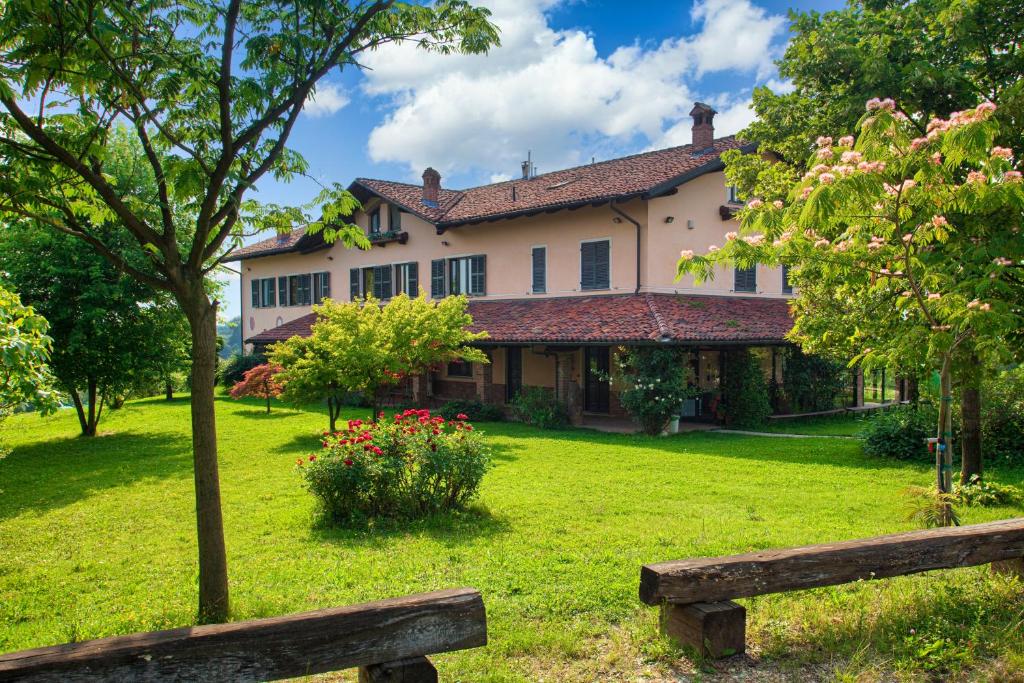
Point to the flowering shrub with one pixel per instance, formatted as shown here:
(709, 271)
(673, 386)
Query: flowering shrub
(539, 407)
(412, 465)
(655, 382)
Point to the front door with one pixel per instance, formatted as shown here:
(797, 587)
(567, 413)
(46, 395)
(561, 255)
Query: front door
(595, 361)
(513, 372)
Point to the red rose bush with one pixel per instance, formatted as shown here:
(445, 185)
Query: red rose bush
(411, 465)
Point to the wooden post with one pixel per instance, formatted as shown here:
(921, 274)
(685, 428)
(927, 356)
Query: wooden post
(714, 629)
(410, 670)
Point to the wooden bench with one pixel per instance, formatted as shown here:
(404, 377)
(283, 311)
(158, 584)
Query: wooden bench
(696, 595)
(388, 640)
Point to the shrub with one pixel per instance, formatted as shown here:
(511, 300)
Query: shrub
(656, 381)
(1002, 420)
(259, 382)
(540, 408)
(812, 383)
(410, 466)
(900, 432)
(233, 370)
(981, 493)
(744, 391)
(476, 410)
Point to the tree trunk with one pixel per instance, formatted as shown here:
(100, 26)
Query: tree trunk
(213, 570)
(83, 422)
(169, 390)
(944, 447)
(92, 419)
(970, 415)
(268, 404)
(332, 414)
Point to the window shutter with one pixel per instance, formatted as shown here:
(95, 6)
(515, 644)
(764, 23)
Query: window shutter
(437, 279)
(587, 265)
(746, 280)
(255, 293)
(325, 285)
(282, 290)
(602, 265)
(268, 292)
(413, 283)
(540, 259)
(394, 218)
(305, 289)
(382, 282)
(478, 275)
(786, 287)
(353, 283)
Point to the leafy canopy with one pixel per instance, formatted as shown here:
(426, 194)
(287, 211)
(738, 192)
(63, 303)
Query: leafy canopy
(24, 351)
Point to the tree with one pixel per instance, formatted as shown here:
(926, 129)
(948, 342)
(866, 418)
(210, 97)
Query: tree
(365, 347)
(654, 383)
(932, 57)
(259, 382)
(913, 239)
(212, 91)
(24, 352)
(112, 334)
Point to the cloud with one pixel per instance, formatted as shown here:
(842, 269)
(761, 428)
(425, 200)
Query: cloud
(550, 91)
(327, 100)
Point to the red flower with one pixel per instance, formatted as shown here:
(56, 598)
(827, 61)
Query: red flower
(469, 428)
(348, 462)
(437, 431)
(377, 450)
(433, 447)
(298, 461)
(462, 416)
(312, 458)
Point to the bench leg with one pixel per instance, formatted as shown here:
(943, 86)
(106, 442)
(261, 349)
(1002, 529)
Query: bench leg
(1010, 567)
(409, 670)
(714, 629)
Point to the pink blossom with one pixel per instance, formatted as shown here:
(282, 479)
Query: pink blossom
(909, 236)
(985, 107)
(713, 248)
(985, 307)
(875, 245)
(827, 178)
(974, 304)
(873, 104)
(846, 141)
(755, 203)
(939, 221)
(777, 204)
(937, 158)
(824, 141)
(851, 157)
(1001, 153)
(822, 243)
(934, 296)
(977, 177)
(825, 153)
(731, 236)
(1002, 261)
(804, 193)
(686, 254)
(1012, 176)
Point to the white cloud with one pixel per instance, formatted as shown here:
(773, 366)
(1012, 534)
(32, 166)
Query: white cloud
(550, 92)
(327, 100)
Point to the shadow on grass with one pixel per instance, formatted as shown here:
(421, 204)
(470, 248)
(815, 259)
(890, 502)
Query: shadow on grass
(453, 529)
(52, 474)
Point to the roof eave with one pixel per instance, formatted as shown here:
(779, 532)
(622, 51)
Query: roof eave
(401, 205)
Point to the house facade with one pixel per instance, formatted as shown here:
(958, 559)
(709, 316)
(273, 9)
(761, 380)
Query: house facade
(561, 270)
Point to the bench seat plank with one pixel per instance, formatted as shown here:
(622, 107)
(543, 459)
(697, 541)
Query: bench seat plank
(718, 579)
(268, 649)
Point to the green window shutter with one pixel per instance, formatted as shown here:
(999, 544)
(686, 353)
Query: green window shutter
(745, 279)
(353, 284)
(478, 275)
(437, 290)
(255, 293)
(282, 290)
(602, 265)
(413, 283)
(540, 270)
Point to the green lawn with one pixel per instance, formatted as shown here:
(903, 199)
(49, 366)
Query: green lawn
(840, 424)
(97, 538)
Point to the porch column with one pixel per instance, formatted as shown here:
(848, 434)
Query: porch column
(858, 388)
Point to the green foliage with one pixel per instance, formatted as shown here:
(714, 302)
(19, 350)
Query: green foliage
(473, 410)
(24, 353)
(984, 493)
(231, 332)
(931, 508)
(744, 391)
(654, 383)
(539, 407)
(365, 347)
(812, 383)
(900, 432)
(413, 465)
(233, 370)
(1002, 419)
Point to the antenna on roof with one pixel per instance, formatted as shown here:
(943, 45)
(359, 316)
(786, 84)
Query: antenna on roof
(592, 159)
(529, 170)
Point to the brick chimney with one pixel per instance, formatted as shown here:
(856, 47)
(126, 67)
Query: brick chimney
(431, 187)
(703, 126)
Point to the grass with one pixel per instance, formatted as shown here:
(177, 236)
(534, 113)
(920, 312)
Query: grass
(97, 538)
(840, 424)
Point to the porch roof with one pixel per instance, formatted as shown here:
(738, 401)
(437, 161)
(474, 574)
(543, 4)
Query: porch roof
(612, 318)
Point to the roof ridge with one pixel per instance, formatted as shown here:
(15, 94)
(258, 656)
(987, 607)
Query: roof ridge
(663, 331)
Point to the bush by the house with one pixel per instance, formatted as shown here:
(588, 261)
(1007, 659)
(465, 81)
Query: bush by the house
(233, 370)
(744, 391)
(983, 493)
(655, 382)
(539, 407)
(476, 410)
(812, 383)
(410, 465)
(900, 432)
(1002, 421)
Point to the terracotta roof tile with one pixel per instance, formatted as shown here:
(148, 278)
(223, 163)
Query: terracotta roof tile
(618, 318)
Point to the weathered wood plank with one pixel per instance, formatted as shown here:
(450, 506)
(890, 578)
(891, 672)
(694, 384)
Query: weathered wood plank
(411, 670)
(714, 629)
(268, 649)
(772, 571)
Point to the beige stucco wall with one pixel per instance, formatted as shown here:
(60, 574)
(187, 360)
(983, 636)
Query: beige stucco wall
(538, 369)
(508, 245)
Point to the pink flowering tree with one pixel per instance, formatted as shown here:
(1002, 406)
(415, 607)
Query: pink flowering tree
(904, 245)
(259, 382)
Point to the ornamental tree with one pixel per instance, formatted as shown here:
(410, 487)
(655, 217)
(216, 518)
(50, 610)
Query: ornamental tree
(211, 90)
(913, 240)
(365, 347)
(24, 352)
(259, 382)
(654, 383)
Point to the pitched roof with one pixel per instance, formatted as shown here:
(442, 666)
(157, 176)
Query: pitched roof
(612, 318)
(647, 174)
(295, 241)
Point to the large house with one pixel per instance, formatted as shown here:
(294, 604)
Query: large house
(560, 268)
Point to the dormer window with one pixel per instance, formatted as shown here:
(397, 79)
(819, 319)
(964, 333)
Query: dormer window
(732, 194)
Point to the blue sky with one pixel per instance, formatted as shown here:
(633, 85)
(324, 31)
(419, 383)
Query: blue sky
(573, 79)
